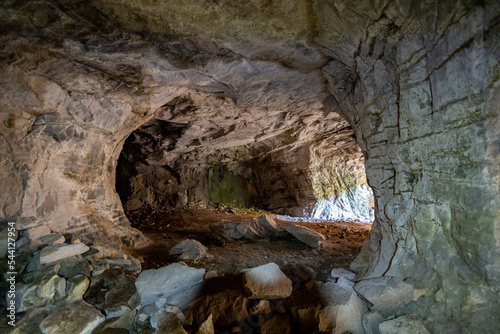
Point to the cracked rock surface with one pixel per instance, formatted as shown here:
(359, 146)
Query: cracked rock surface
(280, 89)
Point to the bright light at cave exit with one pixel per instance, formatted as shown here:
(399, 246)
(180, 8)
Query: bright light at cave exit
(355, 205)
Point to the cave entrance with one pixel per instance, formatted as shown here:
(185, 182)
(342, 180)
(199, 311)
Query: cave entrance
(181, 177)
(203, 161)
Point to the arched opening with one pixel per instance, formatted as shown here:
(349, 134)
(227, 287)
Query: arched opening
(203, 167)
(302, 166)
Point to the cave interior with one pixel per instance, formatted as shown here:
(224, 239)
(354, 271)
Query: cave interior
(272, 167)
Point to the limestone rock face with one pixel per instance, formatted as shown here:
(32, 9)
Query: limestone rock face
(254, 102)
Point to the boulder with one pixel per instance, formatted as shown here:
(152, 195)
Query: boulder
(122, 294)
(122, 261)
(72, 266)
(266, 282)
(304, 234)
(371, 321)
(117, 310)
(262, 227)
(36, 232)
(182, 298)
(42, 271)
(40, 292)
(31, 320)
(155, 284)
(169, 309)
(404, 324)
(189, 249)
(387, 294)
(54, 253)
(145, 312)
(340, 272)
(207, 327)
(169, 323)
(343, 309)
(78, 317)
(76, 288)
(262, 306)
(122, 324)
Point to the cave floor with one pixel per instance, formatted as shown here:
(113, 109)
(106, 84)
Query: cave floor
(166, 229)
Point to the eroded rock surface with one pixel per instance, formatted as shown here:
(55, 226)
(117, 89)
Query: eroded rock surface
(154, 284)
(260, 96)
(267, 282)
(304, 234)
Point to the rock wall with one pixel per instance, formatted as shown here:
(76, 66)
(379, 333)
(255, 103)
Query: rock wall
(418, 82)
(187, 161)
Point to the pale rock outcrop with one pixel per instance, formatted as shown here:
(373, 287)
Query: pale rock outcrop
(266, 282)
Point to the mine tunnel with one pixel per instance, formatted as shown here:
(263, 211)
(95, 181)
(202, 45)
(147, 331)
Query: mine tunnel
(267, 167)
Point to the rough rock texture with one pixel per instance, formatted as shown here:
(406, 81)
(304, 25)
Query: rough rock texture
(404, 324)
(155, 284)
(266, 282)
(262, 227)
(416, 80)
(343, 309)
(79, 317)
(386, 294)
(55, 253)
(189, 249)
(304, 234)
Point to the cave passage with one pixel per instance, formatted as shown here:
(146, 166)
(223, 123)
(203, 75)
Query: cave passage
(195, 199)
(249, 124)
(179, 161)
(182, 177)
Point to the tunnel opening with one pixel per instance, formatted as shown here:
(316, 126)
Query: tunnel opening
(228, 195)
(302, 167)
